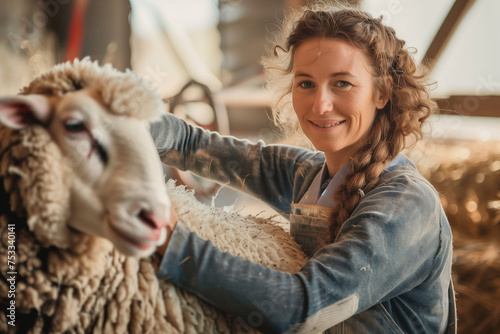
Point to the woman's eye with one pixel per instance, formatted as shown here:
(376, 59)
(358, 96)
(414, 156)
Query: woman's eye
(343, 84)
(306, 84)
(73, 125)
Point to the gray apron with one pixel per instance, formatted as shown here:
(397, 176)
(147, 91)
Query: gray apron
(309, 226)
(309, 220)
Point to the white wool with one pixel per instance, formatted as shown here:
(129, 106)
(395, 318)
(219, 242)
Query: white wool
(72, 282)
(239, 235)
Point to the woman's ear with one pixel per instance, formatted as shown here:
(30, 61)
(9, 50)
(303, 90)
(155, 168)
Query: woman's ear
(384, 92)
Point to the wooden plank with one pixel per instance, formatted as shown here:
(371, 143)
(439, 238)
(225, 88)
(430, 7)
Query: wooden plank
(470, 105)
(445, 32)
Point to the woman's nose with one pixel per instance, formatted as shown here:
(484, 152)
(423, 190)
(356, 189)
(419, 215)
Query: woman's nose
(323, 102)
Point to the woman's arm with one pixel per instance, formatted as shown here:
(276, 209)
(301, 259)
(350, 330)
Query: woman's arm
(388, 247)
(268, 172)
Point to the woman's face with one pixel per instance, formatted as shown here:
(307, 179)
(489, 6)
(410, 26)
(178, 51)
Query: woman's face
(334, 95)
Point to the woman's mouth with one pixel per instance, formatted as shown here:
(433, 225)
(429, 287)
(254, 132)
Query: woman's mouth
(326, 124)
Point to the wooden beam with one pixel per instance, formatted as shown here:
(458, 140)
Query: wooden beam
(445, 32)
(470, 105)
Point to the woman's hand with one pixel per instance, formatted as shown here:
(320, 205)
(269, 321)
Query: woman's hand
(170, 229)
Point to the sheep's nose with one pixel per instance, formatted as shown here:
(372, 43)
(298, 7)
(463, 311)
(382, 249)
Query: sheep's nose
(152, 219)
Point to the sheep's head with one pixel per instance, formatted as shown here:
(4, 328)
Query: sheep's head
(98, 117)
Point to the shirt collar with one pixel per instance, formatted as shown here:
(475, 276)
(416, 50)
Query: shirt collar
(312, 196)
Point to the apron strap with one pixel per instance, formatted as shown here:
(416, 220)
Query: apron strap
(452, 317)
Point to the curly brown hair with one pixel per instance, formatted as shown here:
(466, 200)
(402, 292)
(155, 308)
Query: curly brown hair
(403, 116)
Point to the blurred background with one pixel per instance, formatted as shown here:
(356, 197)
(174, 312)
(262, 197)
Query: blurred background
(202, 56)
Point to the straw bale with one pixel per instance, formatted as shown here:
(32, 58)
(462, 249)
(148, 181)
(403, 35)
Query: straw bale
(467, 177)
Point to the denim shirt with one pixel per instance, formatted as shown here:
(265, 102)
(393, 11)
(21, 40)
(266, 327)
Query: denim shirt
(388, 270)
(309, 218)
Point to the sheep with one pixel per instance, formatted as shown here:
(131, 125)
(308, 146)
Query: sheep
(103, 153)
(84, 204)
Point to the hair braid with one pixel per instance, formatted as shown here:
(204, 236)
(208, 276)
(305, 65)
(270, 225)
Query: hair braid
(365, 169)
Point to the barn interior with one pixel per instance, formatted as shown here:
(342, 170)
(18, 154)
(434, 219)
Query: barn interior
(203, 58)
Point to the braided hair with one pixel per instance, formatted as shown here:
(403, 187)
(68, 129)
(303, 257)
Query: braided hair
(402, 117)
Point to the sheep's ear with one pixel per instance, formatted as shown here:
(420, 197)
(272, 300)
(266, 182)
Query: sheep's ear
(24, 110)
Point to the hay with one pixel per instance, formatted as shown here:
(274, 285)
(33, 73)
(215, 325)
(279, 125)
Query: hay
(476, 274)
(467, 177)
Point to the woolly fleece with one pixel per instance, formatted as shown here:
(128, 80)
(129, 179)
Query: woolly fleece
(91, 287)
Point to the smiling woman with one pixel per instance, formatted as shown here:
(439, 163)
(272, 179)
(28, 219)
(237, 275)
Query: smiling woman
(348, 83)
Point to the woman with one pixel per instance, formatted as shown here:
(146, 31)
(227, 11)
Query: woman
(379, 242)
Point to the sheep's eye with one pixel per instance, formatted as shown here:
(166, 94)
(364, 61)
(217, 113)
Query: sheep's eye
(101, 152)
(73, 125)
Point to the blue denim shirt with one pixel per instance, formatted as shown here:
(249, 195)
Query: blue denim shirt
(388, 271)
